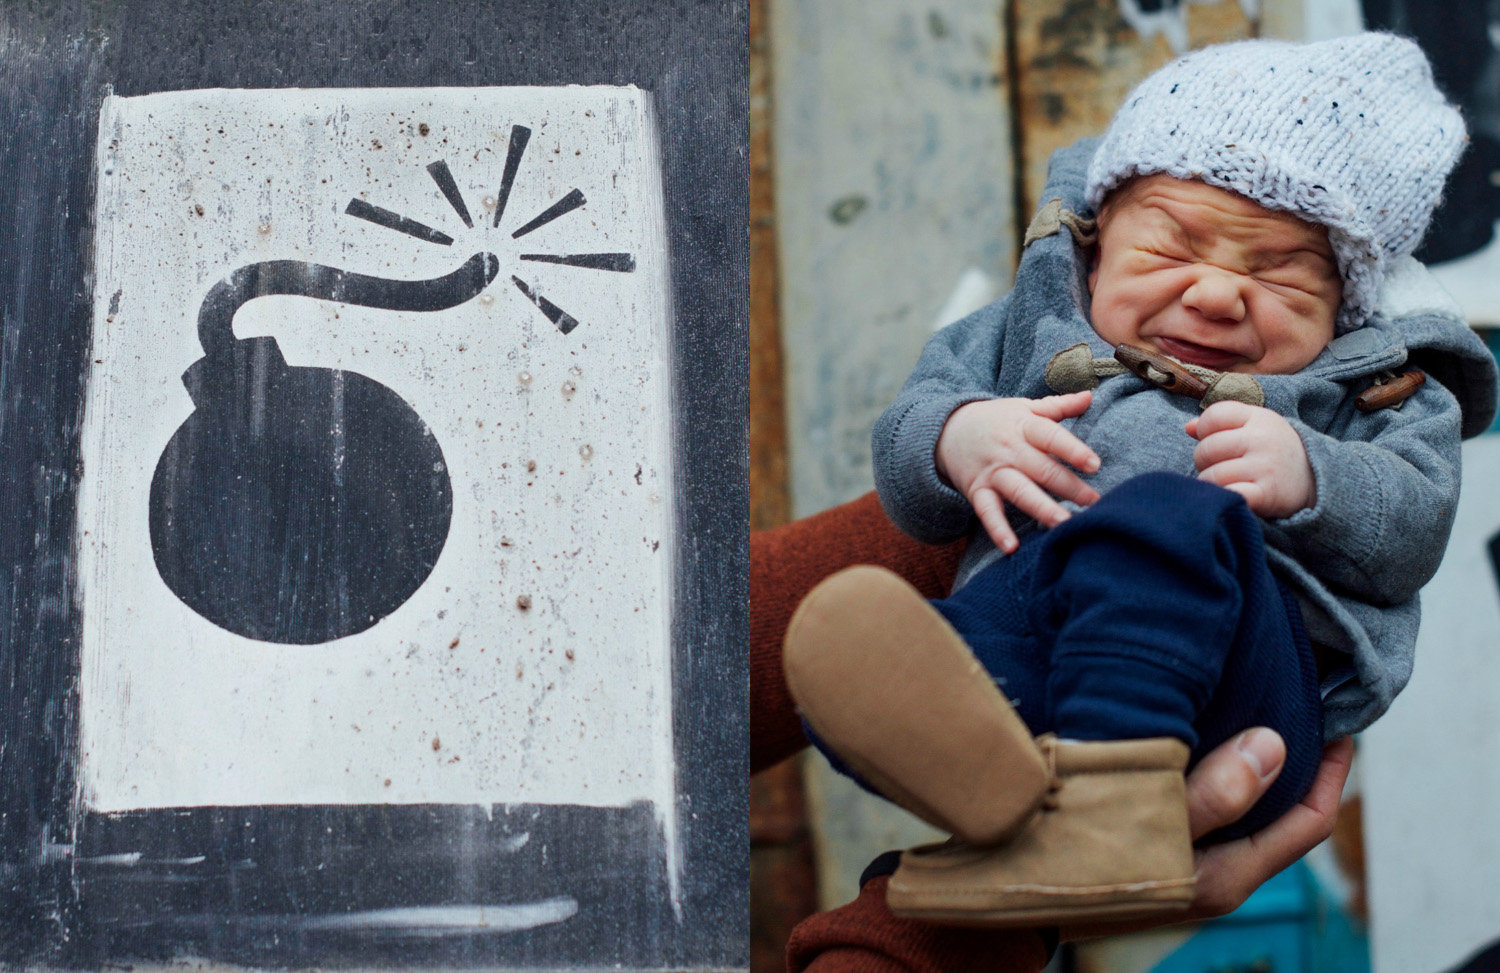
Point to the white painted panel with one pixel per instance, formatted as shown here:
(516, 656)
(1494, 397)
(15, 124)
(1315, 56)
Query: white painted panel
(1474, 281)
(532, 663)
(893, 195)
(1327, 19)
(1431, 766)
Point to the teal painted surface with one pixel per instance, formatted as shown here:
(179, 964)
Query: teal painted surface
(1491, 338)
(1290, 925)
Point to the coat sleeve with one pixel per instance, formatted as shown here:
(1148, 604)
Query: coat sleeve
(959, 365)
(1387, 496)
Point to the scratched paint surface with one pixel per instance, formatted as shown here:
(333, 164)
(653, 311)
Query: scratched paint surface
(530, 660)
(892, 141)
(1429, 767)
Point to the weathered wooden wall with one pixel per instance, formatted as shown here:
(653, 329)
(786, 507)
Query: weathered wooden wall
(1074, 61)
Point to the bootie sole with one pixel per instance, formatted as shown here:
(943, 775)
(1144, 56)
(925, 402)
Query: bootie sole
(893, 689)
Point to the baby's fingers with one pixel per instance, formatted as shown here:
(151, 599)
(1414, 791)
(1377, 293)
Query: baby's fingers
(1056, 480)
(1050, 438)
(1220, 448)
(1019, 487)
(990, 510)
(1219, 417)
(1057, 407)
(1243, 477)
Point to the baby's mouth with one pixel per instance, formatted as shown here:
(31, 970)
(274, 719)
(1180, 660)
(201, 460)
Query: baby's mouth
(1195, 354)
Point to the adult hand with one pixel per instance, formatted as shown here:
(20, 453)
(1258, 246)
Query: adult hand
(1256, 453)
(1221, 790)
(1224, 786)
(996, 450)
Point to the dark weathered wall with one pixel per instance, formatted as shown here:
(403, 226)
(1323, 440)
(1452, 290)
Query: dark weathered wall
(61, 901)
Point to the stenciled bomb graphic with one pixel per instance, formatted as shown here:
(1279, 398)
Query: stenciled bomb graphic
(301, 504)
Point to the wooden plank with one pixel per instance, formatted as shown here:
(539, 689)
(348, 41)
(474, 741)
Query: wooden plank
(770, 499)
(782, 881)
(1075, 60)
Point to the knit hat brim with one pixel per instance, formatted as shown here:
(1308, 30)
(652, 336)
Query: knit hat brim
(1349, 133)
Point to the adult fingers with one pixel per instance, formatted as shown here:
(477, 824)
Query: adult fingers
(1231, 778)
(1228, 873)
(1221, 789)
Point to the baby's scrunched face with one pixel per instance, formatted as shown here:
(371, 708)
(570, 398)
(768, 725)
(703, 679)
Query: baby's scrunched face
(1211, 278)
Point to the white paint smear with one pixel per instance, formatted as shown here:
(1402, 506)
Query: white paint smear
(557, 447)
(1171, 19)
(452, 920)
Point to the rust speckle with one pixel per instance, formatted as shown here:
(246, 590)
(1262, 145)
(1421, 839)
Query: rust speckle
(423, 130)
(454, 643)
(437, 744)
(523, 602)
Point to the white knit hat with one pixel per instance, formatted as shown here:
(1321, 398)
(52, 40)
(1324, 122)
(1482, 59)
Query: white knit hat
(1350, 133)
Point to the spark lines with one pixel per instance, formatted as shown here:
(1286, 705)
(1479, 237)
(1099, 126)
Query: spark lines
(520, 138)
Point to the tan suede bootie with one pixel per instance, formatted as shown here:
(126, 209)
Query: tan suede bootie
(1110, 842)
(892, 688)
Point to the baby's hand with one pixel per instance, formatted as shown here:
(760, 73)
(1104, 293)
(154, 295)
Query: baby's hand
(1004, 449)
(1257, 454)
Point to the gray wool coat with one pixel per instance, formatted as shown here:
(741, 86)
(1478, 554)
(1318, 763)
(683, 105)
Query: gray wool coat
(1387, 482)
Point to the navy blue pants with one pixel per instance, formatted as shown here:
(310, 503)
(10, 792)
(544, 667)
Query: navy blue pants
(1152, 613)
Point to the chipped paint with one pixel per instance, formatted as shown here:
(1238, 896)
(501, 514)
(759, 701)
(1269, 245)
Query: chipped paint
(450, 920)
(1170, 21)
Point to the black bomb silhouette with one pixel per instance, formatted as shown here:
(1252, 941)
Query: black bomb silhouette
(300, 505)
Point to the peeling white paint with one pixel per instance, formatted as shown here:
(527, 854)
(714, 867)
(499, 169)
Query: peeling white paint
(514, 843)
(451, 920)
(1430, 767)
(460, 695)
(125, 860)
(1171, 20)
(973, 290)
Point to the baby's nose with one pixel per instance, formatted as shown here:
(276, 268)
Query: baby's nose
(1217, 295)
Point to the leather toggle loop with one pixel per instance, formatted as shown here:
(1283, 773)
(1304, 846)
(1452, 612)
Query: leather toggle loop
(1052, 217)
(1161, 371)
(1074, 369)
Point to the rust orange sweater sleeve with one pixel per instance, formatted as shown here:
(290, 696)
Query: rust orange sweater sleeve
(864, 937)
(785, 563)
